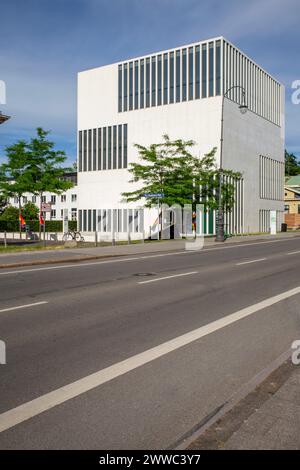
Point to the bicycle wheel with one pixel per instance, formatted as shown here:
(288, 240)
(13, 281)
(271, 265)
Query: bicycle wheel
(78, 237)
(67, 236)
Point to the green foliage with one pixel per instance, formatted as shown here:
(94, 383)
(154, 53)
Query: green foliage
(30, 212)
(46, 165)
(9, 225)
(3, 204)
(292, 165)
(10, 214)
(51, 225)
(33, 167)
(15, 180)
(171, 169)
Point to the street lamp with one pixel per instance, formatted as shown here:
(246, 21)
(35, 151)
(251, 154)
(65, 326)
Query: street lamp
(220, 237)
(3, 118)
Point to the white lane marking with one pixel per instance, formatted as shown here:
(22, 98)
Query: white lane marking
(252, 261)
(28, 410)
(22, 306)
(80, 264)
(293, 252)
(168, 277)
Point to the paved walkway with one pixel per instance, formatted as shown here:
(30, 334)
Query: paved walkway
(27, 258)
(276, 425)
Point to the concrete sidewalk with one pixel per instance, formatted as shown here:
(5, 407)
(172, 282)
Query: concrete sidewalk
(276, 425)
(67, 255)
(268, 418)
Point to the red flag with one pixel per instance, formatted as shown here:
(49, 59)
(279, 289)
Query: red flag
(21, 220)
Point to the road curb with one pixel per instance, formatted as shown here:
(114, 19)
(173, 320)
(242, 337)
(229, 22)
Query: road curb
(56, 261)
(103, 256)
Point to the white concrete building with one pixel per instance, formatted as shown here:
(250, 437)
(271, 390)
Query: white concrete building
(179, 92)
(59, 202)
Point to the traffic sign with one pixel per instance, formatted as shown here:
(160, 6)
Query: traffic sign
(46, 207)
(156, 195)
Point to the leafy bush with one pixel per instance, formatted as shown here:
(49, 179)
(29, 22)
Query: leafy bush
(51, 225)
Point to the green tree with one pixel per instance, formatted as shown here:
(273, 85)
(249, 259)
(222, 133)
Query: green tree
(11, 214)
(15, 176)
(3, 203)
(46, 165)
(169, 168)
(30, 212)
(33, 167)
(292, 165)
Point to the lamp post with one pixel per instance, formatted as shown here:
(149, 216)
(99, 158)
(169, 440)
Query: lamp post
(220, 236)
(3, 118)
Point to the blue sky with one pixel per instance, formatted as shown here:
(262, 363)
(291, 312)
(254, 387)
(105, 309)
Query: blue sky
(44, 43)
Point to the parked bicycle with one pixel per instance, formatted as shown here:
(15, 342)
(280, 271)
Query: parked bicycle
(73, 235)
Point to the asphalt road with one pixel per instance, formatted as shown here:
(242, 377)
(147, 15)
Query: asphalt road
(77, 320)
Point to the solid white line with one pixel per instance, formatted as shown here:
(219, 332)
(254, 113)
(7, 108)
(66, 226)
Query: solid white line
(252, 261)
(28, 410)
(81, 264)
(167, 277)
(293, 252)
(23, 306)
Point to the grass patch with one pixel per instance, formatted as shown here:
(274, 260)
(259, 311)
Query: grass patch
(16, 248)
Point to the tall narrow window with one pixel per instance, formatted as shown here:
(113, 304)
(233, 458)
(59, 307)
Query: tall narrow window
(165, 78)
(177, 76)
(84, 150)
(120, 146)
(109, 148)
(183, 75)
(136, 84)
(94, 149)
(99, 150)
(147, 82)
(191, 73)
(120, 88)
(159, 84)
(142, 85)
(125, 83)
(80, 151)
(104, 148)
(218, 68)
(90, 150)
(125, 146)
(197, 72)
(94, 220)
(115, 147)
(153, 80)
(80, 220)
(204, 70)
(211, 69)
(130, 86)
(171, 80)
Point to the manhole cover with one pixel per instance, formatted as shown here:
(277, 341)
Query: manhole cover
(144, 274)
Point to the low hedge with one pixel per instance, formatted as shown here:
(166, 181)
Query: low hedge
(51, 225)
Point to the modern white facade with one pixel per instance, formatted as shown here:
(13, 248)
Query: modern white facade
(179, 92)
